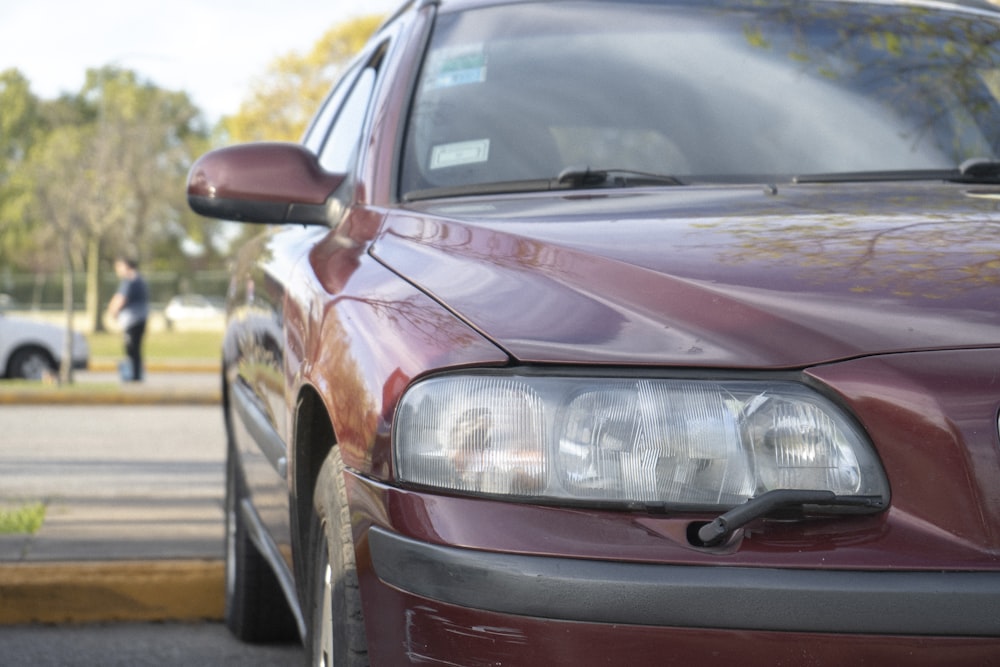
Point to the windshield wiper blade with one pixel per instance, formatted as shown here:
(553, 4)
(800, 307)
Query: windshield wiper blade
(975, 170)
(723, 527)
(585, 177)
(473, 189)
(978, 170)
(571, 178)
(876, 176)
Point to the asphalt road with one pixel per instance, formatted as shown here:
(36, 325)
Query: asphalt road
(108, 451)
(118, 481)
(108, 475)
(137, 645)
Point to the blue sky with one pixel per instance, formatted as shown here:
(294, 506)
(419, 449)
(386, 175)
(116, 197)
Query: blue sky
(213, 49)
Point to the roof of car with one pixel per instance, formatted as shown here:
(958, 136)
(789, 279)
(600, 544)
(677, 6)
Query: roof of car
(991, 6)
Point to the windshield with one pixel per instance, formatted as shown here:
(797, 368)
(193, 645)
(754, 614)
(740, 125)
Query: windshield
(700, 91)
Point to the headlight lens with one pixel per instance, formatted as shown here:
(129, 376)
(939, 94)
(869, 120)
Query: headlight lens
(650, 441)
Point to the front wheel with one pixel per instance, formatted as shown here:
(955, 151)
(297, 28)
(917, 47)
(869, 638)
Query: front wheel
(336, 635)
(30, 363)
(256, 609)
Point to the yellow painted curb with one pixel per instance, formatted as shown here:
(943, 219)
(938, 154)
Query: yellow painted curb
(94, 592)
(140, 397)
(193, 367)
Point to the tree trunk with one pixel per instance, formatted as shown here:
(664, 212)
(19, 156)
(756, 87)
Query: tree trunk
(66, 364)
(94, 312)
(36, 293)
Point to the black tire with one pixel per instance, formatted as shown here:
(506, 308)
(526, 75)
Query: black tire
(256, 608)
(30, 363)
(336, 636)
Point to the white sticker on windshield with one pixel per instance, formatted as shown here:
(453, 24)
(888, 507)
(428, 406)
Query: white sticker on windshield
(459, 153)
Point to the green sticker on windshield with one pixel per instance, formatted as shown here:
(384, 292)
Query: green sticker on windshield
(457, 68)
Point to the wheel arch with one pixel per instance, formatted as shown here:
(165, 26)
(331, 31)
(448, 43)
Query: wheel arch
(313, 438)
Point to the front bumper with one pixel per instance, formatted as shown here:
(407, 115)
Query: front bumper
(963, 604)
(431, 604)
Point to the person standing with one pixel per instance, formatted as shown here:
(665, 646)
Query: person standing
(130, 305)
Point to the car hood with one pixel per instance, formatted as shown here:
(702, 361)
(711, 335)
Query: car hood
(734, 277)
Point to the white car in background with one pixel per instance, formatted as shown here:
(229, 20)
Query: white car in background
(193, 308)
(30, 349)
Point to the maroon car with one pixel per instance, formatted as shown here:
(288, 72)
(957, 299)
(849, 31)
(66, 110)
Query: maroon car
(625, 333)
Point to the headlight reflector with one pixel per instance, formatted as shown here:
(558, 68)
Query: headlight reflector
(647, 441)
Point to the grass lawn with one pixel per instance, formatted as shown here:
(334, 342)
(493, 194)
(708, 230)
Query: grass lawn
(161, 346)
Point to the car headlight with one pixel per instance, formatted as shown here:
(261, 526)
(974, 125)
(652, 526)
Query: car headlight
(636, 441)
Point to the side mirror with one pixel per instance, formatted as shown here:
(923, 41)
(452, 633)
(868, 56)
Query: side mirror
(261, 182)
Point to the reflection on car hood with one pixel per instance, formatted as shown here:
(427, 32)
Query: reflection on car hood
(712, 276)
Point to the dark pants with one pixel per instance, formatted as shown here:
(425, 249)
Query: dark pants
(133, 348)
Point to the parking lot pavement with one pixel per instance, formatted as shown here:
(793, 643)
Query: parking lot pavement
(138, 645)
(133, 528)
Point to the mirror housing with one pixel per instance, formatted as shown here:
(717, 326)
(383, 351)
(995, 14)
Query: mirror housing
(265, 182)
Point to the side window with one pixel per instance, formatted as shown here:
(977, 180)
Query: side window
(335, 136)
(340, 150)
(318, 130)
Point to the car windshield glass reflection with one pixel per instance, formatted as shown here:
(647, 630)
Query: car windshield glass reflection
(522, 93)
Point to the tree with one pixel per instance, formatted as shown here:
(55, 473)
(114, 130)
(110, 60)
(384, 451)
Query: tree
(142, 140)
(54, 187)
(95, 173)
(941, 68)
(282, 101)
(19, 129)
(92, 174)
(19, 121)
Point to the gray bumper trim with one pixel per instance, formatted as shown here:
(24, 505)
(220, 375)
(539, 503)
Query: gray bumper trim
(856, 602)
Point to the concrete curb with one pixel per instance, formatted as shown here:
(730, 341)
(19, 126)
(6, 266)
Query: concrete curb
(111, 591)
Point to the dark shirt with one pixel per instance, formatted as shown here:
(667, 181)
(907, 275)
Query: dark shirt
(136, 308)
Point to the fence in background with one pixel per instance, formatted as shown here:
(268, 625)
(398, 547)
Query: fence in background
(43, 292)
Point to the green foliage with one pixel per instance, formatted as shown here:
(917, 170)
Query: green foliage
(98, 173)
(18, 123)
(19, 126)
(22, 519)
(102, 171)
(755, 37)
(283, 100)
(107, 164)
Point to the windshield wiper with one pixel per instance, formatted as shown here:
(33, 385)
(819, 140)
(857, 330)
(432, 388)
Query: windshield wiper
(974, 170)
(472, 189)
(572, 178)
(876, 176)
(585, 177)
(978, 170)
(723, 527)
